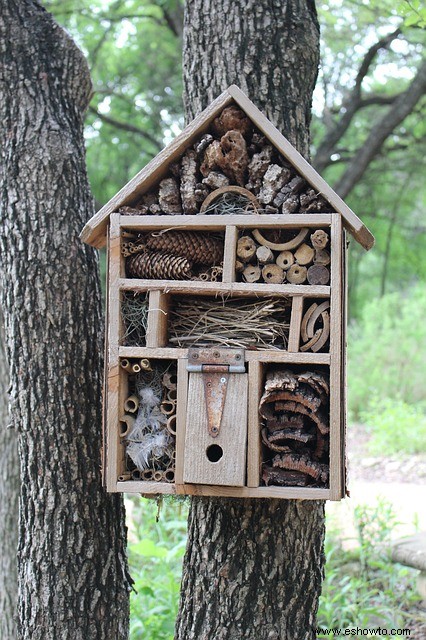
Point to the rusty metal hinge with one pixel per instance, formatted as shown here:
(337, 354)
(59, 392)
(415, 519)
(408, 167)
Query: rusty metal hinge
(215, 364)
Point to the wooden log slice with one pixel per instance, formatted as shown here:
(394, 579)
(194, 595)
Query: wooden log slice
(246, 248)
(322, 257)
(285, 259)
(264, 255)
(319, 239)
(318, 274)
(304, 254)
(273, 274)
(297, 274)
(252, 273)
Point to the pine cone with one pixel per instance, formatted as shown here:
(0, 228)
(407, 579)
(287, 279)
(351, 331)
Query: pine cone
(201, 248)
(158, 266)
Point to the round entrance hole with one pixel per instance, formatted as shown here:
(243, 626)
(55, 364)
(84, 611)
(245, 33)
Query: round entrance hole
(214, 453)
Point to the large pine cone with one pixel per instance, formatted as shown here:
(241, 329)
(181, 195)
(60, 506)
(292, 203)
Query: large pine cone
(158, 266)
(201, 248)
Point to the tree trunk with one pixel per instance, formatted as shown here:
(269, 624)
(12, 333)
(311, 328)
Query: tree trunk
(253, 568)
(72, 570)
(9, 491)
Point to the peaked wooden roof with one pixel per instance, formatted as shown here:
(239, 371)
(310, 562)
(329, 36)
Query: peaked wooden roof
(94, 232)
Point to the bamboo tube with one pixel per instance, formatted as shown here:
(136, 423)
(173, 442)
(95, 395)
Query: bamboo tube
(126, 365)
(145, 364)
(147, 474)
(170, 381)
(172, 394)
(168, 407)
(171, 425)
(158, 476)
(169, 474)
(174, 455)
(124, 477)
(131, 404)
(136, 368)
(136, 474)
(126, 425)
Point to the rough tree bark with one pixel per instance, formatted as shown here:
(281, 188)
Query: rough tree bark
(9, 491)
(253, 568)
(72, 570)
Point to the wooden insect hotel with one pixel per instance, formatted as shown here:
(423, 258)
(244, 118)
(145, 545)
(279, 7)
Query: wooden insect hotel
(225, 353)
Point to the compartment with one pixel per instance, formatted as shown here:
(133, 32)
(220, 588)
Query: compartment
(134, 309)
(147, 419)
(170, 254)
(293, 426)
(315, 326)
(283, 255)
(252, 323)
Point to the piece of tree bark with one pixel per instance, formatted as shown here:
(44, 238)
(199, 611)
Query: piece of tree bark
(9, 494)
(188, 182)
(169, 196)
(232, 157)
(72, 568)
(257, 168)
(319, 239)
(273, 181)
(232, 118)
(216, 180)
(271, 51)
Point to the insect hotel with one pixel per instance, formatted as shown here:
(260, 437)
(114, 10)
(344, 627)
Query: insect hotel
(225, 354)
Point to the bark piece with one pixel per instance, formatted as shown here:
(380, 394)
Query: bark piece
(304, 464)
(318, 274)
(319, 239)
(273, 274)
(257, 168)
(276, 440)
(297, 274)
(133, 211)
(273, 180)
(285, 259)
(290, 205)
(232, 118)
(188, 181)
(201, 192)
(264, 255)
(246, 248)
(304, 254)
(283, 477)
(169, 196)
(216, 180)
(252, 273)
(203, 143)
(210, 158)
(232, 156)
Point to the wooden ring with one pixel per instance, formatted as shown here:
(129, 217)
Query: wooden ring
(214, 195)
(291, 244)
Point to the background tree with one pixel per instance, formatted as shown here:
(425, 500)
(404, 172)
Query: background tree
(253, 568)
(9, 479)
(72, 564)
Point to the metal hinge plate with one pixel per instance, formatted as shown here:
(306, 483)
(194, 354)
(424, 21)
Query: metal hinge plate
(215, 364)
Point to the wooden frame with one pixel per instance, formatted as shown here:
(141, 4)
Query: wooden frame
(257, 361)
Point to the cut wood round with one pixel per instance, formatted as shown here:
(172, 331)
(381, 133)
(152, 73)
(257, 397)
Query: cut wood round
(319, 239)
(322, 257)
(264, 255)
(318, 274)
(273, 274)
(281, 246)
(246, 248)
(285, 259)
(239, 266)
(297, 274)
(214, 195)
(252, 273)
(304, 254)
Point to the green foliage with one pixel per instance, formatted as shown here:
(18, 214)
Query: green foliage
(362, 587)
(396, 427)
(387, 350)
(155, 558)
